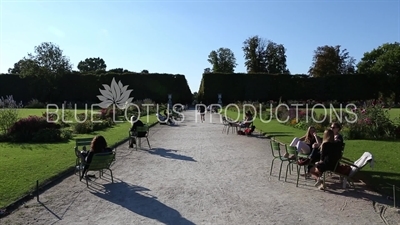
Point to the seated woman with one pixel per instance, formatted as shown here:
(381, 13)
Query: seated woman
(247, 120)
(98, 145)
(330, 155)
(336, 127)
(307, 142)
(316, 153)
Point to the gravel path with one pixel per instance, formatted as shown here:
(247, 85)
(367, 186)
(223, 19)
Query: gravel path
(195, 174)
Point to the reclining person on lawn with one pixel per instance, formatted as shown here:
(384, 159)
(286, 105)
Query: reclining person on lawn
(136, 122)
(98, 145)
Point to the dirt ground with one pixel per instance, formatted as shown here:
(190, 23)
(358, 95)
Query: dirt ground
(195, 174)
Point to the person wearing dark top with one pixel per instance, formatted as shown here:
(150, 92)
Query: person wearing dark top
(330, 154)
(306, 143)
(135, 123)
(167, 115)
(202, 110)
(336, 128)
(98, 145)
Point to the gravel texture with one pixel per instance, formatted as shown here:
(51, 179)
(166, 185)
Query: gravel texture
(195, 174)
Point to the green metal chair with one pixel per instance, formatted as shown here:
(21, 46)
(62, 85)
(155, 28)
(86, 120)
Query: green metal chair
(276, 154)
(294, 161)
(141, 132)
(100, 162)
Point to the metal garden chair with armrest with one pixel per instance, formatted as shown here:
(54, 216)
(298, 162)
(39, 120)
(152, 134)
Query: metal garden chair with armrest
(135, 137)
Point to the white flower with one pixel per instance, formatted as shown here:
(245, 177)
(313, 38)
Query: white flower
(116, 94)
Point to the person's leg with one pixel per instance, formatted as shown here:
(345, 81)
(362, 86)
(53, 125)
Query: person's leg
(302, 147)
(294, 142)
(315, 173)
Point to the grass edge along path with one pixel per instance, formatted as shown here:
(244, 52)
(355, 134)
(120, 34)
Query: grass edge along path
(381, 177)
(24, 164)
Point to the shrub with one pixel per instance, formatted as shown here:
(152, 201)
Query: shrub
(107, 113)
(103, 124)
(47, 135)
(35, 104)
(371, 122)
(31, 129)
(66, 134)
(85, 127)
(8, 113)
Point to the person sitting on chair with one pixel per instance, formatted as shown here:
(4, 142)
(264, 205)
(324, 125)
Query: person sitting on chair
(98, 145)
(135, 123)
(336, 127)
(247, 121)
(167, 115)
(330, 155)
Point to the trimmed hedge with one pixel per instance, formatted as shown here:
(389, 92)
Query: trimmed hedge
(76, 87)
(265, 87)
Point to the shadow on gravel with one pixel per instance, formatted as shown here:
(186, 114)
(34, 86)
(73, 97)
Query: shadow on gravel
(169, 153)
(334, 186)
(359, 192)
(135, 199)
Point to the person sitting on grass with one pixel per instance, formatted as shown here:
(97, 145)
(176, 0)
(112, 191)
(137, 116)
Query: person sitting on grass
(330, 155)
(98, 145)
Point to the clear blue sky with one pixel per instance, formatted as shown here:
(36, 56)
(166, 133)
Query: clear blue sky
(177, 36)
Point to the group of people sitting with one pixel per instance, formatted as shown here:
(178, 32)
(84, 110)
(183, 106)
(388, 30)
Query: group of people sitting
(323, 153)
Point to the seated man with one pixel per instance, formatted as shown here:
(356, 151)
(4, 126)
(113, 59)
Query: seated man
(135, 123)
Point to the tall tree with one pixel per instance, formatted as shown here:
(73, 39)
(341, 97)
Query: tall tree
(223, 60)
(92, 65)
(17, 67)
(48, 64)
(254, 54)
(330, 60)
(264, 56)
(47, 61)
(275, 55)
(382, 60)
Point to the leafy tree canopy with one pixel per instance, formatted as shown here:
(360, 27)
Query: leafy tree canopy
(331, 60)
(223, 61)
(382, 60)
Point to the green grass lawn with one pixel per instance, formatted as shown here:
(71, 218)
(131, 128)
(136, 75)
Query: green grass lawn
(386, 171)
(23, 164)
